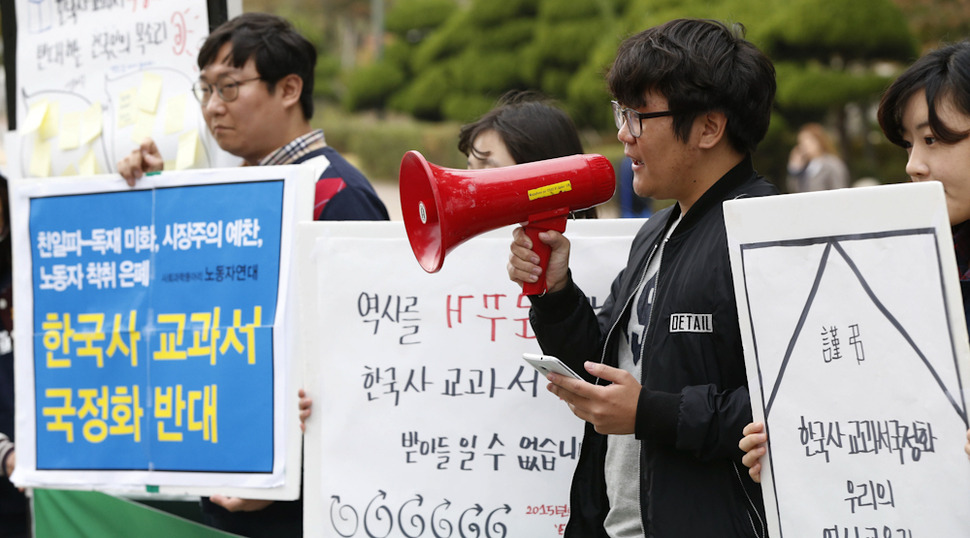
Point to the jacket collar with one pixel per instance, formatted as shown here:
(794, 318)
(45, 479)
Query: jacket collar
(714, 196)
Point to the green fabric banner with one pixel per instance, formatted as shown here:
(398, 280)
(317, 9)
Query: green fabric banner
(60, 513)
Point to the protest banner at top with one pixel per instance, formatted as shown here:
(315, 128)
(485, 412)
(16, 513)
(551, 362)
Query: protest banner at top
(94, 79)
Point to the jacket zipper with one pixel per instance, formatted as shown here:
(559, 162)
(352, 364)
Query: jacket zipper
(626, 305)
(609, 334)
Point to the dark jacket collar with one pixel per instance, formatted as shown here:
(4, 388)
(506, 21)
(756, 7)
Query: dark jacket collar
(717, 193)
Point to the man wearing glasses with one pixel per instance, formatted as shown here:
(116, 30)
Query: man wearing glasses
(665, 397)
(256, 91)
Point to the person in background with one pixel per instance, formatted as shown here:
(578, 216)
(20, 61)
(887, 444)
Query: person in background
(925, 111)
(664, 403)
(814, 163)
(522, 128)
(256, 91)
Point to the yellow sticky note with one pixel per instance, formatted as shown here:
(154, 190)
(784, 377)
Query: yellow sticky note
(91, 123)
(188, 149)
(126, 107)
(70, 131)
(175, 114)
(40, 159)
(48, 128)
(35, 115)
(144, 122)
(71, 170)
(89, 164)
(149, 92)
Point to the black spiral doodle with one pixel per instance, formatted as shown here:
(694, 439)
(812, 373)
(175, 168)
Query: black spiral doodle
(412, 520)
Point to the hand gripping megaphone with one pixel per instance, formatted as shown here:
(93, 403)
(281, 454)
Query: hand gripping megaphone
(444, 207)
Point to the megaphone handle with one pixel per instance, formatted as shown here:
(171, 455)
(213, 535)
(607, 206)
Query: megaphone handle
(533, 229)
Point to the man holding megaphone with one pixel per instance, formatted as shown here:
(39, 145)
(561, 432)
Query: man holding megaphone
(665, 396)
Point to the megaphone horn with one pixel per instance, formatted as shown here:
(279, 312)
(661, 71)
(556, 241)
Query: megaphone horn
(444, 207)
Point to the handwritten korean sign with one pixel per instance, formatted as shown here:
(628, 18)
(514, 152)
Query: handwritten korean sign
(857, 355)
(426, 421)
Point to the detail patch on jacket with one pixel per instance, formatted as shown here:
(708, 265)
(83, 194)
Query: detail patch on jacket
(691, 323)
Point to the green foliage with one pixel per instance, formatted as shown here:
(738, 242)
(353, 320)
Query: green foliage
(815, 87)
(382, 148)
(567, 44)
(588, 99)
(325, 76)
(587, 96)
(552, 11)
(554, 81)
(861, 29)
(398, 52)
(485, 73)
(452, 37)
(451, 59)
(487, 13)
(508, 36)
(420, 15)
(422, 98)
(370, 86)
(466, 108)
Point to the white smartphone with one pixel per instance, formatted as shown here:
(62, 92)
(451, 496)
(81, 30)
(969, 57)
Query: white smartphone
(548, 363)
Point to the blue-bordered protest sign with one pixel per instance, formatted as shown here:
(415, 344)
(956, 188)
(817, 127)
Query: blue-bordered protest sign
(150, 333)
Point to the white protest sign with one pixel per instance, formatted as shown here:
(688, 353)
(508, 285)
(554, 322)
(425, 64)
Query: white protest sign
(856, 351)
(94, 79)
(426, 420)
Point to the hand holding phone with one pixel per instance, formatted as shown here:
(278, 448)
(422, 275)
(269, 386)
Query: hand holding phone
(547, 363)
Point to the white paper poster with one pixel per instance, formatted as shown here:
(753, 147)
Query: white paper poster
(426, 420)
(94, 79)
(856, 351)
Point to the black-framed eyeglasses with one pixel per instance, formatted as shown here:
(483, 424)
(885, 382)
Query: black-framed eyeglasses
(226, 86)
(633, 118)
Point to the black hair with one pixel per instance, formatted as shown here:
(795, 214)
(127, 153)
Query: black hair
(275, 46)
(532, 128)
(943, 74)
(699, 66)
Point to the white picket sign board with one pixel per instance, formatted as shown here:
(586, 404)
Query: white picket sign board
(426, 421)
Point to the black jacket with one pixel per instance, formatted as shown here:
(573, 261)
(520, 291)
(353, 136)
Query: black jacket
(694, 402)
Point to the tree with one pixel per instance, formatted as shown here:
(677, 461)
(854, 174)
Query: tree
(936, 21)
(451, 59)
(831, 57)
(455, 68)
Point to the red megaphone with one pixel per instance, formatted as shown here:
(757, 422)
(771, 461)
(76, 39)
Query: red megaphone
(444, 207)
